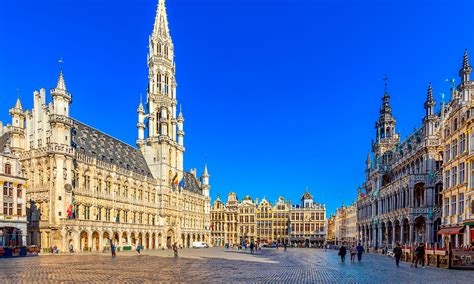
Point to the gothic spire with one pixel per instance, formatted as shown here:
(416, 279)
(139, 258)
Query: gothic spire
(18, 104)
(205, 173)
(466, 69)
(386, 108)
(430, 102)
(61, 85)
(160, 27)
(140, 106)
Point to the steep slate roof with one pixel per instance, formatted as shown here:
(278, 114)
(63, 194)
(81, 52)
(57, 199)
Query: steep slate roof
(191, 183)
(92, 142)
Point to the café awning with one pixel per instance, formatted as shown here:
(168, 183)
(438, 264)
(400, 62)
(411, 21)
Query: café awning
(451, 231)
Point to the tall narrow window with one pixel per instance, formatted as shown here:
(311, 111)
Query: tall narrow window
(8, 169)
(455, 148)
(453, 205)
(446, 207)
(462, 143)
(461, 173)
(19, 210)
(454, 175)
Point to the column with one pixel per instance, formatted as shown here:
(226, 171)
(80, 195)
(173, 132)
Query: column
(410, 237)
(89, 241)
(374, 236)
(393, 234)
(402, 233)
(429, 231)
(380, 236)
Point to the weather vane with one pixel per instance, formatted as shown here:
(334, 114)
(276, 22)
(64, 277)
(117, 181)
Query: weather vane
(60, 61)
(385, 78)
(451, 82)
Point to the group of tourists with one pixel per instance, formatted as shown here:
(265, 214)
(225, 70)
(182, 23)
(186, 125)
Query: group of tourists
(397, 253)
(353, 251)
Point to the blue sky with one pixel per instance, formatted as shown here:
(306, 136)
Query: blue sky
(278, 95)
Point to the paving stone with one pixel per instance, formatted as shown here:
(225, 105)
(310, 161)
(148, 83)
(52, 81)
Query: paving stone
(215, 265)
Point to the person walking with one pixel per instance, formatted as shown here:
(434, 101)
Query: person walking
(342, 253)
(285, 245)
(112, 249)
(397, 251)
(360, 250)
(252, 246)
(138, 248)
(353, 252)
(175, 249)
(420, 255)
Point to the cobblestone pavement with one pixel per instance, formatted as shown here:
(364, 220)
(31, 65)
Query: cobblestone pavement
(217, 265)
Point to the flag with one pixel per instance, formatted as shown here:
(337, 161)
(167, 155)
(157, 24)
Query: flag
(71, 210)
(175, 181)
(181, 184)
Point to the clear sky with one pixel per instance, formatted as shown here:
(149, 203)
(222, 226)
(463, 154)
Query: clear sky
(278, 95)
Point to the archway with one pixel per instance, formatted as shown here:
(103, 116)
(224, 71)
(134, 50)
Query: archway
(147, 241)
(419, 195)
(153, 241)
(106, 239)
(116, 238)
(420, 229)
(406, 231)
(389, 232)
(133, 239)
(189, 241)
(96, 241)
(384, 233)
(160, 241)
(397, 231)
(84, 240)
(124, 238)
(140, 239)
(169, 238)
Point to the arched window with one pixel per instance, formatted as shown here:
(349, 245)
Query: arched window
(8, 169)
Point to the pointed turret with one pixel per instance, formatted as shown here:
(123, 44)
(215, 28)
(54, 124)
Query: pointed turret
(205, 173)
(368, 162)
(141, 124)
(17, 139)
(61, 85)
(18, 104)
(386, 136)
(205, 181)
(466, 69)
(140, 108)
(430, 102)
(61, 97)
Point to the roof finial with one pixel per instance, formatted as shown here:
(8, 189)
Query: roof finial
(61, 85)
(465, 60)
(60, 61)
(385, 78)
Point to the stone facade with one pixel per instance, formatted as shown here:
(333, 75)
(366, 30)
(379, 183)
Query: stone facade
(282, 222)
(13, 223)
(403, 182)
(87, 189)
(420, 189)
(458, 167)
(345, 225)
